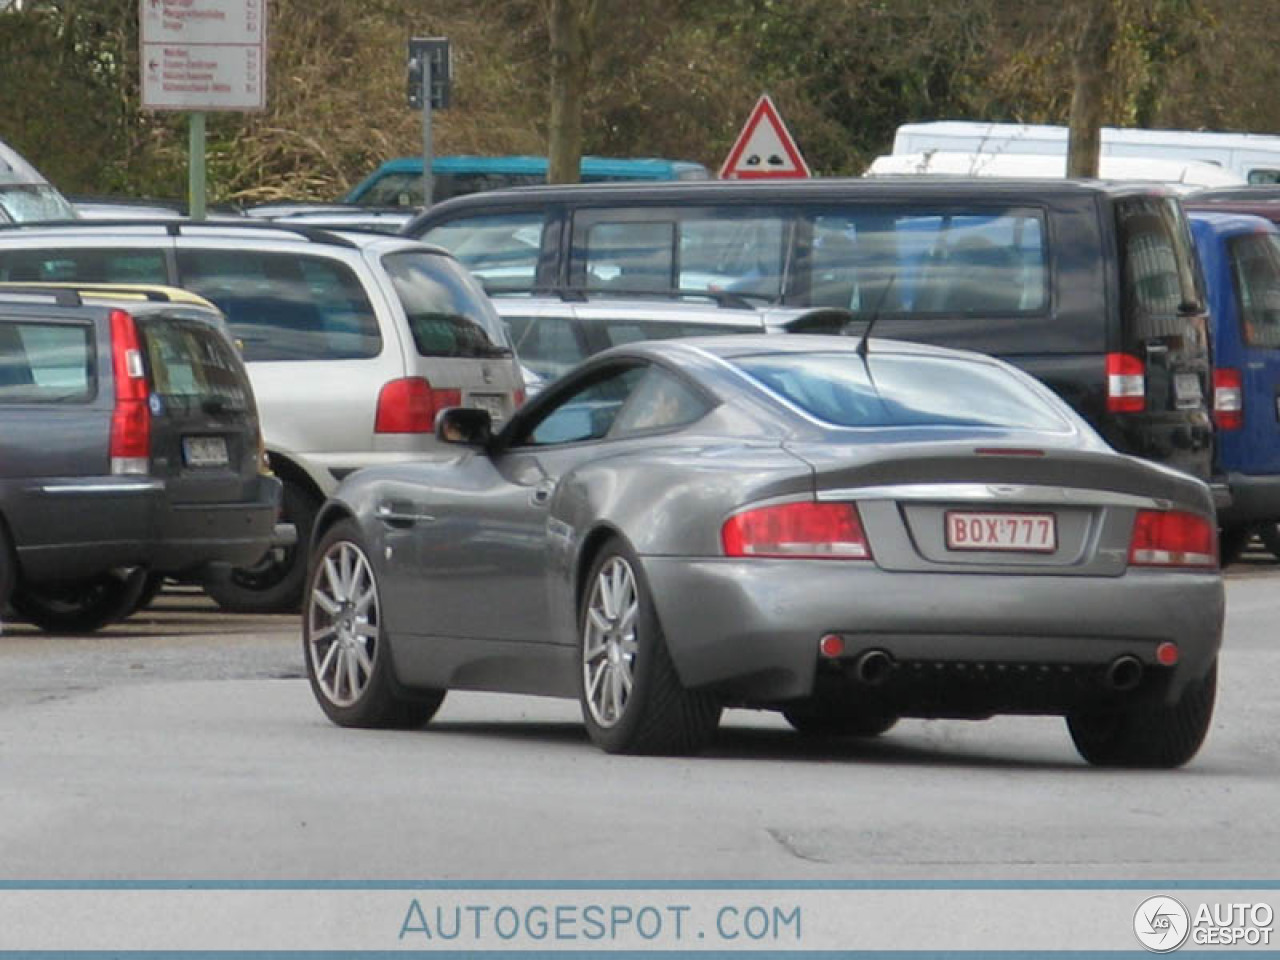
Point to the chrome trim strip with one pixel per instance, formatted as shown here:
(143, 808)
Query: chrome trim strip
(997, 493)
(149, 486)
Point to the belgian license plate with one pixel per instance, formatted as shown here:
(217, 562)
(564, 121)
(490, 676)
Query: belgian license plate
(204, 451)
(1186, 389)
(1016, 532)
(491, 403)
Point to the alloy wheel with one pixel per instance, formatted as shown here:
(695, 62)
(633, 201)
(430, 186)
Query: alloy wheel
(609, 642)
(343, 620)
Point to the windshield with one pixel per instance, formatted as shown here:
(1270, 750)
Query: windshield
(28, 203)
(449, 314)
(900, 390)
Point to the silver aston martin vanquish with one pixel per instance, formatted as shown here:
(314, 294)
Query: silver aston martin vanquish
(846, 531)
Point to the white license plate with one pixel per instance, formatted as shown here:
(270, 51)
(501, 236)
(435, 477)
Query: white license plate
(493, 404)
(204, 451)
(1022, 532)
(1186, 389)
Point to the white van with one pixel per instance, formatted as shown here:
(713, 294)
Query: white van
(1187, 175)
(25, 195)
(1254, 156)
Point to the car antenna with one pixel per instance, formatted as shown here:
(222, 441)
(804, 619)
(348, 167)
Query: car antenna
(861, 348)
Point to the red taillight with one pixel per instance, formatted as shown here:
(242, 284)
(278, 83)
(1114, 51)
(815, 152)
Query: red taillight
(410, 405)
(130, 448)
(1173, 538)
(829, 531)
(1126, 384)
(1228, 399)
(520, 398)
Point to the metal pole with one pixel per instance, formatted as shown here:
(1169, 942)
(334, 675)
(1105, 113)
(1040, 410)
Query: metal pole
(195, 168)
(426, 129)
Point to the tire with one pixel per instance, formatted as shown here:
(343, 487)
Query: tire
(344, 643)
(151, 587)
(828, 718)
(80, 607)
(631, 697)
(1151, 735)
(1270, 536)
(8, 570)
(1231, 543)
(275, 583)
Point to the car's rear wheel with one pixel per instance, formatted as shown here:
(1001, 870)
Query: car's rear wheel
(1148, 734)
(275, 583)
(1269, 533)
(632, 699)
(823, 717)
(81, 606)
(344, 643)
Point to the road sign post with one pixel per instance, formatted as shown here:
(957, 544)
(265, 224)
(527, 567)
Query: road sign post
(430, 85)
(200, 56)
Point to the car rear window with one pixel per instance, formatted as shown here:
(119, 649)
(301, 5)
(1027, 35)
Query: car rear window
(449, 314)
(285, 306)
(46, 362)
(189, 360)
(1156, 258)
(1255, 263)
(898, 390)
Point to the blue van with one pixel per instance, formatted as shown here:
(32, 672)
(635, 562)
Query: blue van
(398, 183)
(1240, 256)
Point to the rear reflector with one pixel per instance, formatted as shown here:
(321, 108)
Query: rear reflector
(130, 445)
(410, 405)
(1126, 384)
(826, 531)
(1173, 538)
(1228, 399)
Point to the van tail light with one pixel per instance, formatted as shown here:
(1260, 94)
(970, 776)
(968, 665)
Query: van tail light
(130, 446)
(1126, 384)
(410, 405)
(520, 398)
(1173, 538)
(1228, 399)
(826, 531)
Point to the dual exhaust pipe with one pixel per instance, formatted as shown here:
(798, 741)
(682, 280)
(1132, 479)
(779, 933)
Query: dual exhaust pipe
(873, 667)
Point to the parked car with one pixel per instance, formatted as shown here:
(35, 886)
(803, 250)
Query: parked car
(679, 525)
(129, 447)
(398, 183)
(1090, 286)
(1183, 175)
(353, 342)
(25, 195)
(1240, 256)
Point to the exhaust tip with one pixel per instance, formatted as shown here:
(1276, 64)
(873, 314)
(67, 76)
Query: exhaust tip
(873, 667)
(1124, 673)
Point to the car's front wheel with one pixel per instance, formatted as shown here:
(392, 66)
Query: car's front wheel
(632, 699)
(81, 606)
(345, 644)
(1149, 734)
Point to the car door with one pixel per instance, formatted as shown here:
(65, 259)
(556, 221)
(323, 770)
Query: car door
(1254, 260)
(479, 567)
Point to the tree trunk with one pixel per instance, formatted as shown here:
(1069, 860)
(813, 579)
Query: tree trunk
(1091, 64)
(571, 24)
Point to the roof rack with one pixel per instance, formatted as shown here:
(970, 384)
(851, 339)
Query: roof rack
(728, 299)
(60, 296)
(175, 227)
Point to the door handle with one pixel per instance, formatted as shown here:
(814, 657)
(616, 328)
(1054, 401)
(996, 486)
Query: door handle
(400, 513)
(542, 491)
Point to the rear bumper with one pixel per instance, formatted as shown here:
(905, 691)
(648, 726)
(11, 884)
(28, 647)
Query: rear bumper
(124, 522)
(751, 629)
(1253, 499)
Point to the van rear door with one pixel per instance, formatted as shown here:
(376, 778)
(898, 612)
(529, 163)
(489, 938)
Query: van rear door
(1158, 365)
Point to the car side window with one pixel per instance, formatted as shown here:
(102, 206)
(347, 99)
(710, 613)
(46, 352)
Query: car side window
(548, 345)
(283, 306)
(87, 265)
(660, 401)
(45, 363)
(587, 413)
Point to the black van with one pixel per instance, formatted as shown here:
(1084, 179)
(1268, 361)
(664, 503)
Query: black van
(1090, 286)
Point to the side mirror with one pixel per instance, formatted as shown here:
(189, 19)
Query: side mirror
(464, 425)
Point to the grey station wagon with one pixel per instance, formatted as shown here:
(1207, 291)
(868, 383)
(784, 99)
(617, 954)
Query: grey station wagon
(129, 446)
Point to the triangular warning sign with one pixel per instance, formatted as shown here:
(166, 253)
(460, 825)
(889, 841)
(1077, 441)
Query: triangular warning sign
(764, 148)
